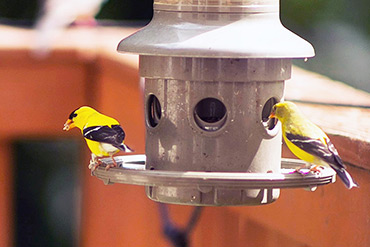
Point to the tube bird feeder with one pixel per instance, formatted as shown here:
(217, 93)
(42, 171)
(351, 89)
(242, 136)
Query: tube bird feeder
(213, 70)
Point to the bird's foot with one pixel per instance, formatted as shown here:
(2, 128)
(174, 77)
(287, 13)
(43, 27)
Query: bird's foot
(94, 164)
(316, 169)
(114, 164)
(300, 170)
(109, 166)
(304, 171)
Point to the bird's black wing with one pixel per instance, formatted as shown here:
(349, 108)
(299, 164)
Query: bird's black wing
(113, 135)
(316, 147)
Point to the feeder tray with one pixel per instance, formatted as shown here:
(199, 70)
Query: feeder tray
(132, 170)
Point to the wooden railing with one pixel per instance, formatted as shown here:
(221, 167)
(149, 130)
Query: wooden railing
(37, 95)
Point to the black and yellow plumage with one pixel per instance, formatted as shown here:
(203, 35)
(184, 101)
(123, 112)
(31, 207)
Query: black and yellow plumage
(104, 135)
(308, 142)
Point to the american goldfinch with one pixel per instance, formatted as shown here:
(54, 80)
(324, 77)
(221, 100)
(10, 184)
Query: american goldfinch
(104, 135)
(308, 142)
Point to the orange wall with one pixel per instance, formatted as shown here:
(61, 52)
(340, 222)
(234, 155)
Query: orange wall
(38, 96)
(6, 190)
(35, 98)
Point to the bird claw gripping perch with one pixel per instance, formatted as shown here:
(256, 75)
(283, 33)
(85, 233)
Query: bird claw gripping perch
(94, 163)
(299, 170)
(314, 169)
(114, 164)
(317, 170)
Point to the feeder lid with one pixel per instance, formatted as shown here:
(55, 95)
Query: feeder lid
(231, 34)
(131, 170)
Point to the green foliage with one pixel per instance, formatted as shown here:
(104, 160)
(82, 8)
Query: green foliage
(127, 10)
(112, 9)
(303, 15)
(19, 9)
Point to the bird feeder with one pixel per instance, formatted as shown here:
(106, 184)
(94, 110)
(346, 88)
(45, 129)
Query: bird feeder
(213, 70)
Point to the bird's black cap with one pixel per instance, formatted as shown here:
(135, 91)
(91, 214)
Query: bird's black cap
(73, 114)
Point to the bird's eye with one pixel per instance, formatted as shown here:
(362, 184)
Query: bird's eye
(72, 115)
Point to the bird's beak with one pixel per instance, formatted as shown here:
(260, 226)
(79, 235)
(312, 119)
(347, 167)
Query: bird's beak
(273, 116)
(69, 124)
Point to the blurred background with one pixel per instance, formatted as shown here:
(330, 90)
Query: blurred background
(47, 198)
(338, 29)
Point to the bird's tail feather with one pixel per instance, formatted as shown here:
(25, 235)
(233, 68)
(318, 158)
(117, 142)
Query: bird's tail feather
(126, 148)
(346, 178)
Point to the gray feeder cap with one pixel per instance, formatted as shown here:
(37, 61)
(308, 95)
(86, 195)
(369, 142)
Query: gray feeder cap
(217, 35)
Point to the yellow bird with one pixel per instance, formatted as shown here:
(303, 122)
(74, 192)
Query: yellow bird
(104, 135)
(308, 142)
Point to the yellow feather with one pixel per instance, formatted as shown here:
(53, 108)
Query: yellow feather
(294, 122)
(299, 152)
(88, 117)
(308, 136)
(97, 149)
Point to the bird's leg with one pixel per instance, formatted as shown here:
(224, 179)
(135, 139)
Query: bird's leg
(94, 162)
(111, 165)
